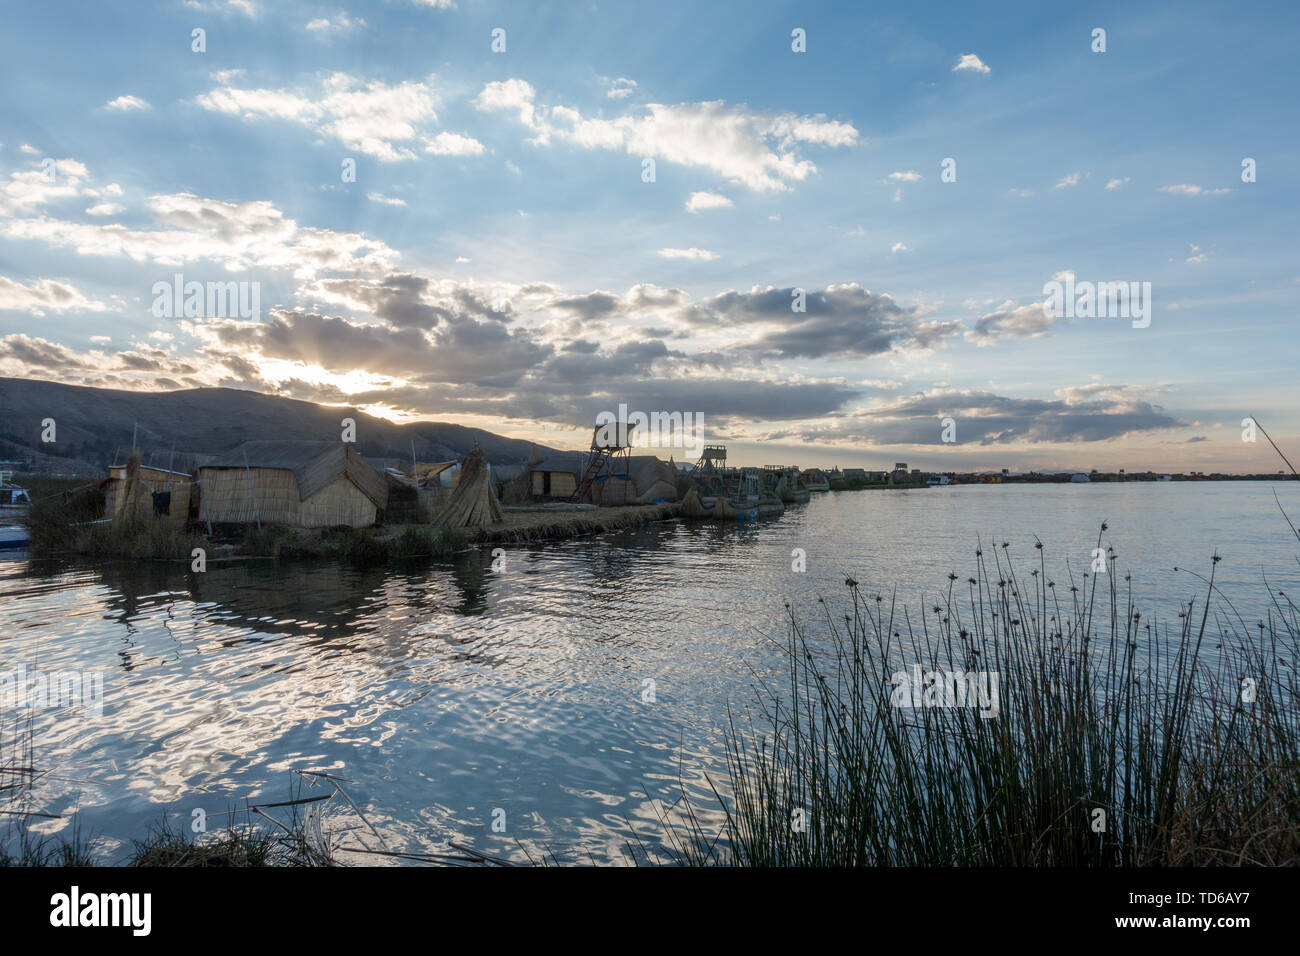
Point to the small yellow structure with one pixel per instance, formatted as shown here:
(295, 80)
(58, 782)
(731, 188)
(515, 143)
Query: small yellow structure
(135, 489)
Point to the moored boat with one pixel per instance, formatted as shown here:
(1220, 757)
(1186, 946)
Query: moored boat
(718, 508)
(13, 500)
(12, 537)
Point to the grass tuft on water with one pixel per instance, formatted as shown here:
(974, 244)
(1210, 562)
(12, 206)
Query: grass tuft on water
(1116, 740)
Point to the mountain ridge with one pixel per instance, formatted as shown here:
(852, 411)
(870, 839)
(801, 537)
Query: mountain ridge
(92, 425)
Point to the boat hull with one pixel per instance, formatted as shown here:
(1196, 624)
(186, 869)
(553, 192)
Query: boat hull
(700, 508)
(12, 538)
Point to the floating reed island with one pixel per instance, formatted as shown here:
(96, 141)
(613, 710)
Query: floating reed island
(314, 499)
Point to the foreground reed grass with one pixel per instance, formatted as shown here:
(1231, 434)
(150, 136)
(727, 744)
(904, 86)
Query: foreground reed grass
(1116, 741)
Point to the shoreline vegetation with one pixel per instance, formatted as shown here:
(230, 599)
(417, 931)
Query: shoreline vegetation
(1116, 740)
(1109, 738)
(66, 520)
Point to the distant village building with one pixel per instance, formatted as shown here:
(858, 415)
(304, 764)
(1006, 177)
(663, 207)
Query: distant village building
(304, 484)
(555, 476)
(636, 479)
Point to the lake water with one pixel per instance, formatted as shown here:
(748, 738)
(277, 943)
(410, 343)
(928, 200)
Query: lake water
(447, 691)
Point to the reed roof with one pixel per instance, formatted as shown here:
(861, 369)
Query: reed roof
(315, 464)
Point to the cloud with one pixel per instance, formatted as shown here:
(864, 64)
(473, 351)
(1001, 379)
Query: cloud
(700, 201)
(910, 176)
(385, 200)
(466, 350)
(1117, 183)
(704, 255)
(759, 150)
(1090, 413)
(224, 7)
(621, 89)
(969, 61)
(1197, 256)
(342, 23)
(44, 295)
(453, 144)
(899, 247)
(105, 209)
(406, 300)
(125, 104)
(509, 96)
(1030, 321)
(238, 235)
(1070, 179)
(1187, 189)
(839, 322)
(370, 116)
(592, 305)
(29, 189)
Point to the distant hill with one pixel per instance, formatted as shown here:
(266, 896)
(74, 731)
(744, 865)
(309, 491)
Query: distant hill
(95, 423)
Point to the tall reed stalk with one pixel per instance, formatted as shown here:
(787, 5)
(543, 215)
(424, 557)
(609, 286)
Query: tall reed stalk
(1117, 740)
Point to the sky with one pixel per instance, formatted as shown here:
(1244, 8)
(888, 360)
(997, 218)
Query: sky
(826, 229)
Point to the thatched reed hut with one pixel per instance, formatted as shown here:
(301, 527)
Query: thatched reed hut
(556, 476)
(134, 489)
(304, 484)
(641, 480)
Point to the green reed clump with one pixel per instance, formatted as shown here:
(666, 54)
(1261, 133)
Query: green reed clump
(21, 847)
(56, 519)
(138, 536)
(419, 541)
(271, 541)
(1117, 740)
(72, 522)
(234, 847)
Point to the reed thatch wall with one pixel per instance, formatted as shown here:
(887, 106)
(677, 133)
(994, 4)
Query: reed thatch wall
(403, 501)
(433, 498)
(562, 484)
(339, 502)
(133, 492)
(305, 484)
(272, 497)
(238, 496)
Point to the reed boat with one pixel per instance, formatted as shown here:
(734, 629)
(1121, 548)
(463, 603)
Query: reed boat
(720, 508)
(12, 537)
